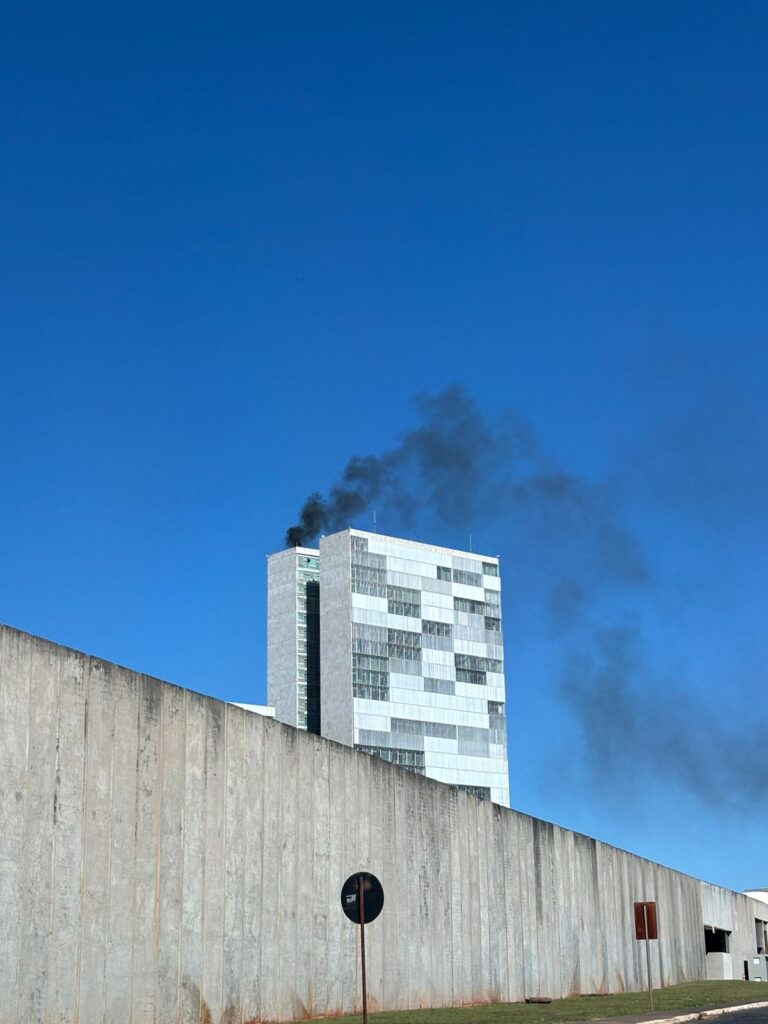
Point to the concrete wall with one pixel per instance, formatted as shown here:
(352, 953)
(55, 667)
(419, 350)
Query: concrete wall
(165, 857)
(282, 655)
(336, 703)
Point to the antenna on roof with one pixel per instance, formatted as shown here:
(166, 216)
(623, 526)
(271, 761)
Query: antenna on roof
(374, 522)
(470, 542)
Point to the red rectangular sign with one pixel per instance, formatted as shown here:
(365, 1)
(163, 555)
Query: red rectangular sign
(646, 912)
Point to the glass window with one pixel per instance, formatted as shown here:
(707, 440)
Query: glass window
(474, 662)
(439, 685)
(404, 636)
(411, 759)
(404, 601)
(371, 661)
(483, 792)
(404, 645)
(436, 628)
(414, 727)
(369, 580)
(469, 675)
(472, 579)
(370, 689)
(369, 559)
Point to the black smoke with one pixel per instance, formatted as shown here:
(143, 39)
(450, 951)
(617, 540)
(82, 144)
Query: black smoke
(637, 724)
(461, 466)
(573, 552)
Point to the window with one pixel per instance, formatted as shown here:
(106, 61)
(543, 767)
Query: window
(369, 639)
(371, 690)
(413, 727)
(483, 792)
(497, 732)
(411, 759)
(493, 624)
(369, 580)
(403, 644)
(474, 741)
(432, 685)
(441, 730)
(490, 569)
(404, 636)
(444, 573)
(369, 560)
(403, 652)
(436, 628)
(412, 611)
(369, 677)
(469, 675)
(463, 604)
(371, 661)
(377, 647)
(472, 579)
(404, 601)
(474, 662)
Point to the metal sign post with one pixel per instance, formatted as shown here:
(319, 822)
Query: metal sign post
(362, 943)
(646, 927)
(362, 898)
(647, 957)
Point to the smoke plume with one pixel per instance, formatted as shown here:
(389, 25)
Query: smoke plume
(636, 725)
(573, 555)
(460, 467)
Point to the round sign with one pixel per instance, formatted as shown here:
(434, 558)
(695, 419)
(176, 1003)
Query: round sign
(373, 897)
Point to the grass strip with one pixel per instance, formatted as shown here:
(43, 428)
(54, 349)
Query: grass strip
(690, 996)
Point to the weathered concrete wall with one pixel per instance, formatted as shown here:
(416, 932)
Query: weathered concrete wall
(165, 857)
(734, 913)
(336, 703)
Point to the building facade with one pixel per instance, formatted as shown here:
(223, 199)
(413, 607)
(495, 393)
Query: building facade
(411, 658)
(293, 643)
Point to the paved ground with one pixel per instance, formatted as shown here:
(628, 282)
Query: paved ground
(756, 1016)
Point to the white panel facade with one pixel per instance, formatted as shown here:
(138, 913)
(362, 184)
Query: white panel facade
(412, 643)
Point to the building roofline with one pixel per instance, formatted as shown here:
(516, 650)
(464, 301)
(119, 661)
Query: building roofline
(295, 550)
(476, 555)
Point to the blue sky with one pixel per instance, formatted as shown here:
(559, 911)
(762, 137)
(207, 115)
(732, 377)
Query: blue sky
(239, 242)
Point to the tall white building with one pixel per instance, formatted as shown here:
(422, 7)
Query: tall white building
(293, 645)
(411, 655)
